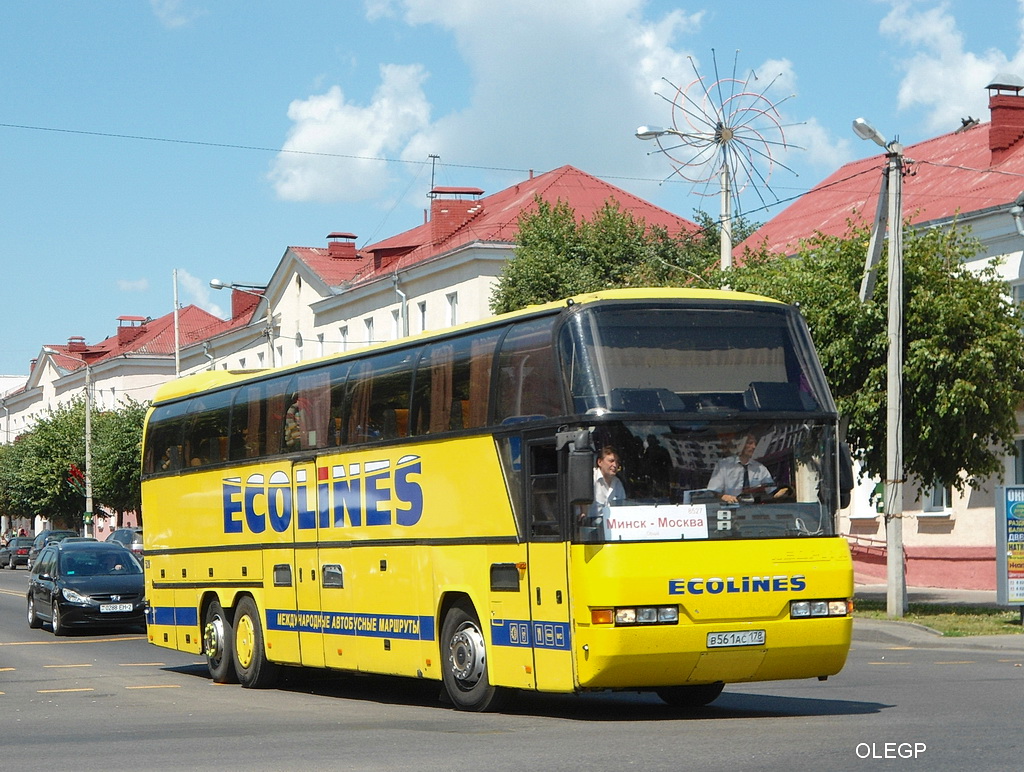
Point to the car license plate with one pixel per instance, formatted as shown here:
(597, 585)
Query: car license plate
(108, 608)
(736, 638)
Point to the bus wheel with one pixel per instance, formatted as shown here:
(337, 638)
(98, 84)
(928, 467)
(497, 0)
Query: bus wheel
(690, 696)
(217, 645)
(464, 662)
(252, 667)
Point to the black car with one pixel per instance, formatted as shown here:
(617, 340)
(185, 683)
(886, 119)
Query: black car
(45, 537)
(129, 537)
(15, 552)
(86, 584)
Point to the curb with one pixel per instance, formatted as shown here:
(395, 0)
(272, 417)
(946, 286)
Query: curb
(912, 634)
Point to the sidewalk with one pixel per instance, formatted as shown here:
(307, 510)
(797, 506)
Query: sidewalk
(909, 634)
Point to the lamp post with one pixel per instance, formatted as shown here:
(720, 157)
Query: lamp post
(247, 289)
(87, 472)
(725, 226)
(896, 596)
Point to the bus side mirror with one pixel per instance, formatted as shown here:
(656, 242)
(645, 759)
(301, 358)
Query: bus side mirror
(845, 475)
(581, 476)
(580, 467)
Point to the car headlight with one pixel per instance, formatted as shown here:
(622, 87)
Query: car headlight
(74, 597)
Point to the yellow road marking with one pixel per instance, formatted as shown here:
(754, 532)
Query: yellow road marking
(58, 691)
(65, 641)
(141, 664)
(156, 686)
(957, 662)
(6, 669)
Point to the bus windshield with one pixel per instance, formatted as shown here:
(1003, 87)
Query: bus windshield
(691, 480)
(708, 360)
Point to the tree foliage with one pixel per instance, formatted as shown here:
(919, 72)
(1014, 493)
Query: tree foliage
(963, 374)
(963, 360)
(558, 254)
(35, 469)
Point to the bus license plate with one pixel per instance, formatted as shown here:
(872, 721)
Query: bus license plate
(107, 608)
(736, 638)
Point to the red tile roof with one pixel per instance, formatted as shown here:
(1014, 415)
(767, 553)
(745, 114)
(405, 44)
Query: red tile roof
(969, 170)
(457, 222)
(155, 337)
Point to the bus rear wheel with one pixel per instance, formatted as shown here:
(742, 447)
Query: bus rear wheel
(464, 662)
(252, 667)
(218, 640)
(690, 696)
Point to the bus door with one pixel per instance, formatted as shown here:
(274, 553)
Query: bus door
(308, 578)
(547, 560)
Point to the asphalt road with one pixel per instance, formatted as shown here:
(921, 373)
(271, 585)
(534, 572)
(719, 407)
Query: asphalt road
(112, 701)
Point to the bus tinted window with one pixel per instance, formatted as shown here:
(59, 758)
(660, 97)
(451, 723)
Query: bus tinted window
(206, 429)
(528, 383)
(164, 439)
(696, 359)
(378, 396)
(453, 384)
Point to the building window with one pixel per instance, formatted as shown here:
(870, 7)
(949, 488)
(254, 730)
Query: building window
(396, 324)
(452, 309)
(422, 307)
(320, 344)
(368, 324)
(937, 501)
(344, 338)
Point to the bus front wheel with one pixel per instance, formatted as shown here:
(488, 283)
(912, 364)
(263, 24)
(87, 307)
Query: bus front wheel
(252, 667)
(690, 696)
(464, 662)
(218, 638)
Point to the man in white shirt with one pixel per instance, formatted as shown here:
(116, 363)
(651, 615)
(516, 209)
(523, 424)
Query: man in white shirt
(741, 474)
(608, 490)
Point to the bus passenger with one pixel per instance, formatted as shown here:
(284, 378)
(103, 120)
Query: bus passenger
(740, 475)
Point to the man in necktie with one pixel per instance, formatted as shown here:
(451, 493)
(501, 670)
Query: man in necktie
(740, 474)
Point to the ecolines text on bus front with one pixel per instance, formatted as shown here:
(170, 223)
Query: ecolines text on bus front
(372, 493)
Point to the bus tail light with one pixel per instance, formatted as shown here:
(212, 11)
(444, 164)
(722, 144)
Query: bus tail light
(809, 609)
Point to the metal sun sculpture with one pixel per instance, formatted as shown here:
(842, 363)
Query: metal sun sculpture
(723, 130)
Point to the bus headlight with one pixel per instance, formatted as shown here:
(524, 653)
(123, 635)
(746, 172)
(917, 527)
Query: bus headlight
(807, 609)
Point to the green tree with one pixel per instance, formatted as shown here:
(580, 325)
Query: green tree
(35, 469)
(558, 254)
(963, 359)
(116, 457)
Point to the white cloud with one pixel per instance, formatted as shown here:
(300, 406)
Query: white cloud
(133, 285)
(335, 144)
(173, 14)
(195, 291)
(942, 77)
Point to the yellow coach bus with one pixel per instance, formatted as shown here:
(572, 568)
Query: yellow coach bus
(448, 507)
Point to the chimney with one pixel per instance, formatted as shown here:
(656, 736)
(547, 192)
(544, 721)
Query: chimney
(76, 344)
(449, 214)
(1007, 107)
(129, 328)
(341, 246)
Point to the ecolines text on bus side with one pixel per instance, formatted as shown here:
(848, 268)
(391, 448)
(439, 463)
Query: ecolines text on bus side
(357, 494)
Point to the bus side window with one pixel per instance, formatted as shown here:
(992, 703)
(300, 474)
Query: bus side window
(528, 380)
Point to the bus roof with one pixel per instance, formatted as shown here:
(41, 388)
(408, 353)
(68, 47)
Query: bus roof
(212, 379)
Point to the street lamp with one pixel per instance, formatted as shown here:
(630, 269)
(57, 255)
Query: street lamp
(247, 289)
(892, 191)
(87, 472)
(655, 132)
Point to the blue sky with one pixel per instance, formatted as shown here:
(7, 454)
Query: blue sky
(141, 137)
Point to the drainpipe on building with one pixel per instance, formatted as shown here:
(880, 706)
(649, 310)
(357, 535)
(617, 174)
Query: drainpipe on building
(404, 307)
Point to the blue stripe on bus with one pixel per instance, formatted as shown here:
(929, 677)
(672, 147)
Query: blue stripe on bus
(413, 628)
(184, 616)
(527, 633)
